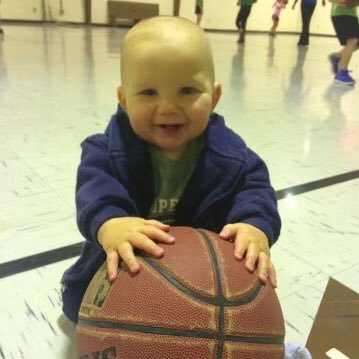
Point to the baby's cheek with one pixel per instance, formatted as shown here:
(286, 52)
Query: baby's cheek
(203, 105)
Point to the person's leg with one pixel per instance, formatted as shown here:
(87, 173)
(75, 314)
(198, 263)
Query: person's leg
(242, 21)
(347, 31)
(274, 26)
(346, 53)
(334, 57)
(239, 24)
(239, 18)
(246, 12)
(1, 29)
(307, 13)
(199, 13)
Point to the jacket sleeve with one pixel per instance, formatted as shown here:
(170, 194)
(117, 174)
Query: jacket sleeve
(255, 202)
(99, 193)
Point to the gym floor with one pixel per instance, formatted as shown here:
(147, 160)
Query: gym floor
(58, 85)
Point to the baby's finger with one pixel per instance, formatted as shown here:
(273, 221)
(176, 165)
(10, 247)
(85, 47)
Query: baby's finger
(272, 275)
(252, 256)
(112, 264)
(158, 224)
(240, 247)
(263, 267)
(141, 241)
(228, 231)
(127, 255)
(154, 233)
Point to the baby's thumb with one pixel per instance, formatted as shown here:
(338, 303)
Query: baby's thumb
(227, 231)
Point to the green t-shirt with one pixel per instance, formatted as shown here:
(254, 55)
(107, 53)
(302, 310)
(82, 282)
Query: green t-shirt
(341, 10)
(171, 177)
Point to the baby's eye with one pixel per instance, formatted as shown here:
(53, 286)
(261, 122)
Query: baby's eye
(186, 90)
(148, 92)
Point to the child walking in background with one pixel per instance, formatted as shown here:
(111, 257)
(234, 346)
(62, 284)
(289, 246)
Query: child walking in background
(199, 11)
(346, 26)
(243, 13)
(278, 6)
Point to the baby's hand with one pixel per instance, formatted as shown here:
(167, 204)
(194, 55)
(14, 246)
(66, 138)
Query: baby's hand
(119, 236)
(252, 243)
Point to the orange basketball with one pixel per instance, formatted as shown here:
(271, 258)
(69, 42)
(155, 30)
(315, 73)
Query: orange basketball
(197, 301)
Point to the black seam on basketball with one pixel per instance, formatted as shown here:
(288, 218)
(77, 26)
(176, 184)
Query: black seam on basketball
(252, 292)
(221, 335)
(214, 258)
(220, 296)
(218, 300)
(104, 324)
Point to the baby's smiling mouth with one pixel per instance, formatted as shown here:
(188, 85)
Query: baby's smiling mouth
(170, 129)
(170, 126)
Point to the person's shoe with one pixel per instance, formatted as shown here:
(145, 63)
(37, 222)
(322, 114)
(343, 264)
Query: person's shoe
(1, 31)
(334, 62)
(271, 33)
(342, 77)
(303, 43)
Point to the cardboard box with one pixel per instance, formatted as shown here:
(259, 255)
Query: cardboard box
(335, 329)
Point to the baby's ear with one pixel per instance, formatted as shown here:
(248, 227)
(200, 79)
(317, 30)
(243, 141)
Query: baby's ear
(216, 95)
(121, 97)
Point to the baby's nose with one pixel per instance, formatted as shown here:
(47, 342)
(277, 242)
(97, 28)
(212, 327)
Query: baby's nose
(167, 106)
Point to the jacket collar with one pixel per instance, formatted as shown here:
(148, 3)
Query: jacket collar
(217, 172)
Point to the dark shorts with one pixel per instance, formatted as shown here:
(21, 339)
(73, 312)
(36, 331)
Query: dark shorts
(346, 27)
(198, 10)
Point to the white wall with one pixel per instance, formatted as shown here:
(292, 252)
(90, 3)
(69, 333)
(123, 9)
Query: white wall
(99, 8)
(21, 9)
(218, 14)
(38, 10)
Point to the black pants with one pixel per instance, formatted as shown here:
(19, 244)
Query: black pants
(242, 16)
(307, 12)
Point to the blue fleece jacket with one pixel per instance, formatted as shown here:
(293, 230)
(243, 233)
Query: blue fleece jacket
(230, 183)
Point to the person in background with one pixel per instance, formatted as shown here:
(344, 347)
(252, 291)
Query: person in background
(199, 11)
(243, 13)
(307, 8)
(345, 21)
(1, 29)
(346, 3)
(278, 6)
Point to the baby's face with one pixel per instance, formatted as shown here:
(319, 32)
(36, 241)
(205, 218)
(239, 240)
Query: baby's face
(168, 91)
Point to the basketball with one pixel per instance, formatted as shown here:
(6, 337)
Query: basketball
(197, 301)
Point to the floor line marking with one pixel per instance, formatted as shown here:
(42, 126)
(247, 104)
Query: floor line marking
(59, 254)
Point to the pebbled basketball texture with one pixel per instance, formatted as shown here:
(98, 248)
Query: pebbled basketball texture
(197, 301)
